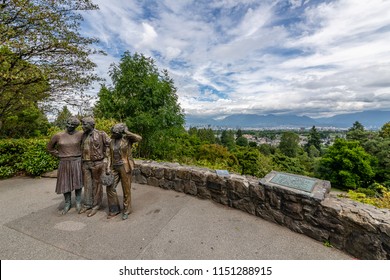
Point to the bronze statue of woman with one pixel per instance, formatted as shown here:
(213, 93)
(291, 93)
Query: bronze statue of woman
(66, 146)
(122, 165)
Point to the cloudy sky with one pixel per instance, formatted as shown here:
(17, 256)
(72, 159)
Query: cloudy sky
(304, 57)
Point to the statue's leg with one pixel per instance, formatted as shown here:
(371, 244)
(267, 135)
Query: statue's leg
(78, 199)
(112, 197)
(97, 187)
(67, 203)
(87, 181)
(126, 187)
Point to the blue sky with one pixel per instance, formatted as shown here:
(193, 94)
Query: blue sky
(304, 57)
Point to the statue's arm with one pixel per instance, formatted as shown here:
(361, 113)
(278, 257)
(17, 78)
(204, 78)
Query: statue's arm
(132, 137)
(52, 146)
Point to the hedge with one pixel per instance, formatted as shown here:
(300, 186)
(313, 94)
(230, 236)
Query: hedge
(25, 156)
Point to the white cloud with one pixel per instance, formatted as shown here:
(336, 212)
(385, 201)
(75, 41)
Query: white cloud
(149, 36)
(309, 58)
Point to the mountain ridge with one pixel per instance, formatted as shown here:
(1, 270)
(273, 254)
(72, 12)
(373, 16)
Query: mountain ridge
(373, 119)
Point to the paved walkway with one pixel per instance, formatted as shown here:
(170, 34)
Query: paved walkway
(164, 225)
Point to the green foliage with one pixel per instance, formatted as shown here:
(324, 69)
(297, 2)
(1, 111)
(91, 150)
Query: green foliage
(227, 139)
(104, 124)
(313, 151)
(358, 133)
(62, 117)
(266, 149)
(216, 154)
(53, 130)
(328, 244)
(22, 85)
(46, 34)
(29, 122)
(242, 141)
(380, 149)
(284, 163)
(36, 160)
(289, 144)
(385, 131)
(382, 201)
(347, 165)
(145, 99)
(252, 162)
(28, 156)
(205, 135)
(165, 145)
(314, 139)
(252, 144)
(239, 133)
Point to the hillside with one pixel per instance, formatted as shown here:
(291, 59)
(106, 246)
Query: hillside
(370, 119)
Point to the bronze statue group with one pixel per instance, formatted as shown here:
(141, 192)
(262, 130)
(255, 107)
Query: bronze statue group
(91, 159)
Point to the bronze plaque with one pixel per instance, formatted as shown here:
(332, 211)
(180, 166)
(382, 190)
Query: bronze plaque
(222, 173)
(295, 182)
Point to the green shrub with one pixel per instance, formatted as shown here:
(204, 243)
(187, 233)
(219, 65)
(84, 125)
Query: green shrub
(36, 160)
(28, 156)
(104, 124)
(6, 171)
(382, 201)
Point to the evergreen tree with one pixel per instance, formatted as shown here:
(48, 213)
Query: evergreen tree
(26, 123)
(239, 133)
(314, 139)
(146, 100)
(62, 117)
(385, 131)
(227, 139)
(356, 132)
(206, 135)
(289, 144)
(242, 141)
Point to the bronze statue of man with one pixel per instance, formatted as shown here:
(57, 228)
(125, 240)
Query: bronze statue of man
(122, 165)
(95, 147)
(66, 146)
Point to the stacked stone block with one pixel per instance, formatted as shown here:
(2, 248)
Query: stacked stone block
(358, 229)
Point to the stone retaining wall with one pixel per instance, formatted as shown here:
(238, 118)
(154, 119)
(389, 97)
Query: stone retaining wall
(358, 229)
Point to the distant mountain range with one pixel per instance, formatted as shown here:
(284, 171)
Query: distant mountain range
(370, 120)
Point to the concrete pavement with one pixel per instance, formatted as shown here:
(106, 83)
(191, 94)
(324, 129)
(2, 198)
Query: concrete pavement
(164, 225)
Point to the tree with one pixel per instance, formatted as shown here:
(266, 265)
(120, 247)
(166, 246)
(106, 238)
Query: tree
(347, 165)
(282, 162)
(26, 123)
(239, 133)
(314, 139)
(227, 139)
(380, 149)
(357, 133)
(22, 85)
(356, 126)
(62, 117)
(313, 152)
(206, 135)
(266, 149)
(385, 130)
(252, 162)
(146, 100)
(242, 141)
(216, 154)
(45, 33)
(289, 144)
